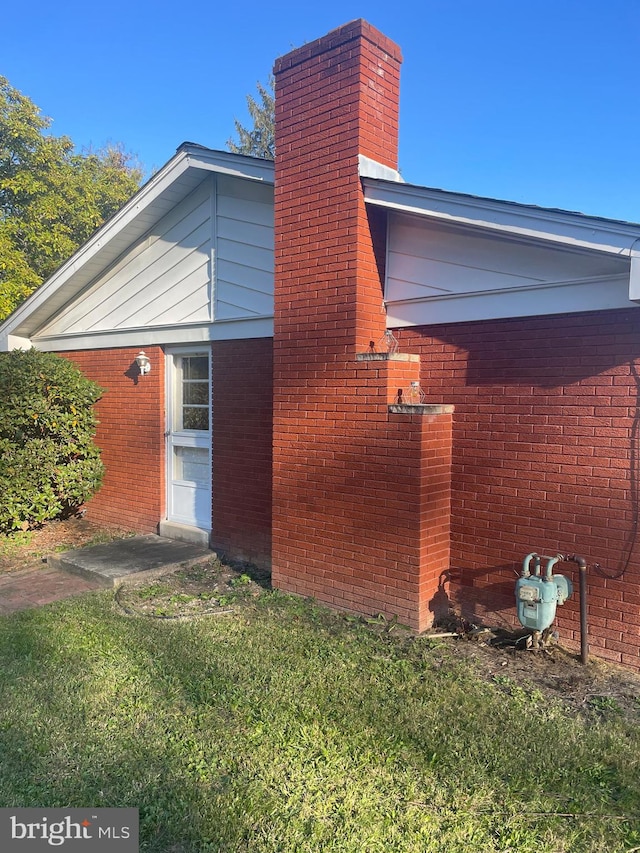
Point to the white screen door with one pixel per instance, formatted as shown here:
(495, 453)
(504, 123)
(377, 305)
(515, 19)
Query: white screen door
(189, 438)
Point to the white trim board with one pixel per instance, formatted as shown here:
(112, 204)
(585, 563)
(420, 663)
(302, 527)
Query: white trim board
(256, 327)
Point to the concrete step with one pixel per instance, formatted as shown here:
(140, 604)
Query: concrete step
(139, 558)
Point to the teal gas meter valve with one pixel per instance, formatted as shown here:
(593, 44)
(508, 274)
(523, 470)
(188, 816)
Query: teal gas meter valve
(538, 594)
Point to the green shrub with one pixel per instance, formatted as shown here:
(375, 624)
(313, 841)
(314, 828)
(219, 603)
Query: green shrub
(49, 465)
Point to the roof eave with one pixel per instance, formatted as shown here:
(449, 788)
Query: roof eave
(574, 230)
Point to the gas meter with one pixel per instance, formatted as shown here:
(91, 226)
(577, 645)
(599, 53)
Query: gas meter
(537, 594)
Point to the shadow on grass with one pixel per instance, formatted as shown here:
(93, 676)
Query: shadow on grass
(283, 727)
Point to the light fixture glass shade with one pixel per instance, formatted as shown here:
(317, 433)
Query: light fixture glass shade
(142, 360)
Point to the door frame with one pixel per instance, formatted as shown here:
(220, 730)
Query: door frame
(184, 438)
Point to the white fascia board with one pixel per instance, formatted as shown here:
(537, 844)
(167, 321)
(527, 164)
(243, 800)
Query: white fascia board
(225, 163)
(574, 230)
(256, 327)
(11, 342)
(634, 276)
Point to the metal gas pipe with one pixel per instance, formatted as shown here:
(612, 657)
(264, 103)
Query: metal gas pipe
(582, 567)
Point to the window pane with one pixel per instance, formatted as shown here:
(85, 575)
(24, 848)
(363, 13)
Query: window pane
(195, 417)
(196, 393)
(191, 463)
(195, 367)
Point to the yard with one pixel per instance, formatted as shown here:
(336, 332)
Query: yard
(266, 723)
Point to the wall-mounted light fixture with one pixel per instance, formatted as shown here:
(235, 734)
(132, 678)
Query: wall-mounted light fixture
(144, 365)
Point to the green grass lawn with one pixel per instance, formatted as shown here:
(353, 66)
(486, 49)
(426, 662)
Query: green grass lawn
(282, 727)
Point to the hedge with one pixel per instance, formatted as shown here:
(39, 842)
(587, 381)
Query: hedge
(49, 464)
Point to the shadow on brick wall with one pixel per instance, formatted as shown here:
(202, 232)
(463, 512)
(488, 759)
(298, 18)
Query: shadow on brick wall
(468, 594)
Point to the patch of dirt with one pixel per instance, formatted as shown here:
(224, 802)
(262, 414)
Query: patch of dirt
(206, 588)
(597, 690)
(30, 549)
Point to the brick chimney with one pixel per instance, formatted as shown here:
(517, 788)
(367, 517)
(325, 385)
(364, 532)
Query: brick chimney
(336, 98)
(359, 519)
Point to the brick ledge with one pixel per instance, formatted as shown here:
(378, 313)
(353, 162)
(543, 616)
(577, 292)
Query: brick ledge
(420, 409)
(386, 356)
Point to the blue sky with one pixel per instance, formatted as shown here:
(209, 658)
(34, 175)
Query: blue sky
(535, 101)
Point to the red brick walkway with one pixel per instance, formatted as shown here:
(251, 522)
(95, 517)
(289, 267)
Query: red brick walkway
(39, 585)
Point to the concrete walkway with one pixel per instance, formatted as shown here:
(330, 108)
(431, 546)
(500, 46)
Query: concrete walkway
(84, 569)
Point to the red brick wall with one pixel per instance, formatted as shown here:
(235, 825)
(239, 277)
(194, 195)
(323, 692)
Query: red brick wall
(360, 496)
(546, 414)
(242, 457)
(130, 435)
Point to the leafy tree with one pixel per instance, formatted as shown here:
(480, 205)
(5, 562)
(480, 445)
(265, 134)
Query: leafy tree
(51, 198)
(49, 465)
(261, 141)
